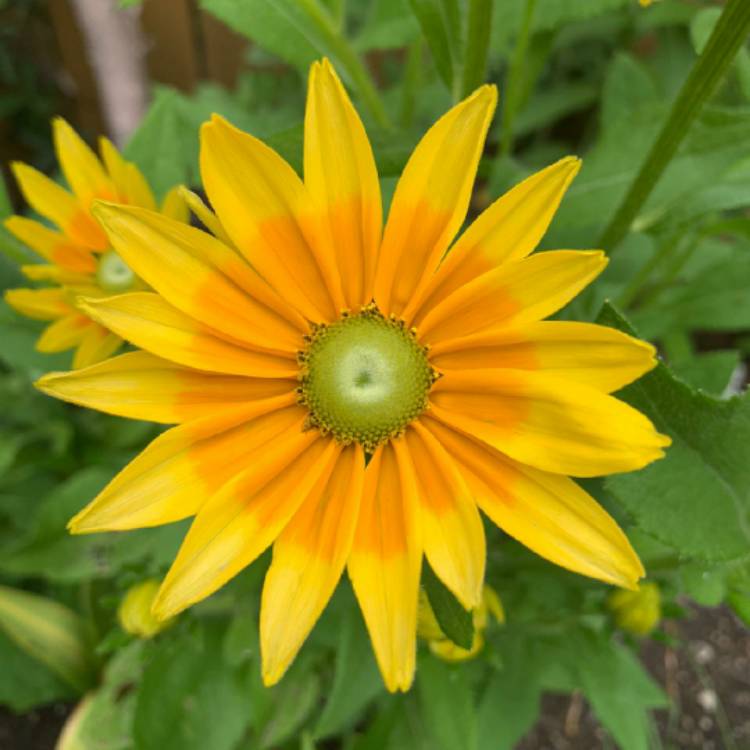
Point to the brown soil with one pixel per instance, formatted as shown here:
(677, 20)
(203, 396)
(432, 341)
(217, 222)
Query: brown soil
(707, 679)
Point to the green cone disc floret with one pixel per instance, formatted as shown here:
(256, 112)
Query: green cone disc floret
(364, 378)
(113, 273)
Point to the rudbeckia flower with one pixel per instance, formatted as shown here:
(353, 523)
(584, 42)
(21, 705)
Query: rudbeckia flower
(354, 399)
(79, 258)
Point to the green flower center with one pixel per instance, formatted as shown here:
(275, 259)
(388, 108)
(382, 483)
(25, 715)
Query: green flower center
(364, 378)
(113, 273)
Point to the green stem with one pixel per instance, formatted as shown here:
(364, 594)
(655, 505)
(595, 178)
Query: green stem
(727, 38)
(348, 58)
(477, 45)
(513, 85)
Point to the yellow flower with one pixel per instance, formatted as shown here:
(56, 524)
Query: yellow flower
(317, 342)
(79, 258)
(442, 646)
(637, 612)
(134, 613)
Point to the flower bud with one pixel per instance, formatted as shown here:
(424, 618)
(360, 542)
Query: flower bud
(134, 612)
(442, 646)
(637, 612)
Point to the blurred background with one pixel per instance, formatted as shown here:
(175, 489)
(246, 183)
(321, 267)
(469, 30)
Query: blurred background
(593, 77)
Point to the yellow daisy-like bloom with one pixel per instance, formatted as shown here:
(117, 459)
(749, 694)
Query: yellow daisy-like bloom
(318, 343)
(80, 260)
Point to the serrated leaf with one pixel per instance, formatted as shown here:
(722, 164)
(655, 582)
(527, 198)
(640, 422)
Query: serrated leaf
(697, 499)
(453, 619)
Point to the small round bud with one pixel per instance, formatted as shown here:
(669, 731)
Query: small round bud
(637, 612)
(134, 612)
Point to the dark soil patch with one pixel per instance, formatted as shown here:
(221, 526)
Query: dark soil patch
(708, 681)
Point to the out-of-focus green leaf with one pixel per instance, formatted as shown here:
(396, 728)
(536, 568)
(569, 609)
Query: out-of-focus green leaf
(356, 680)
(453, 619)
(716, 299)
(52, 552)
(299, 32)
(103, 720)
(697, 499)
(619, 690)
(710, 371)
(447, 703)
(188, 698)
(441, 25)
(389, 24)
(160, 146)
(49, 632)
(19, 335)
(294, 700)
(26, 682)
(509, 705)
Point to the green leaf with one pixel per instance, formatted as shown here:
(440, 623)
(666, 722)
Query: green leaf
(160, 147)
(299, 31)
(453, 619)
(389, 25)
(52, 552)
(18, 351)
(478, 29)
(447, 704)
(510, 703)
(49, 632)
(356, 680)
(697, 499)
(26, 682)
(619, 690)
(104, 718)
(440, 22)
(726, 39)
(188, 698)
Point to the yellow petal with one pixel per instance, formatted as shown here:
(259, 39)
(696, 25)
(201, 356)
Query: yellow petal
(82, 169)
(385, 561)
(175, 206)
(95, 346)
(52, 246)
(549, 423)
(131, 185)
(308, 559)
(180, 262)
(243, 518)
(601, 357)
(431, 199)
(548, 513)
(205, 215)
(265, 208)
(40, 304)
(148, 321)
(508, 230)
(452, 530)
(341, 176)
(55, 274)
(521, 292)
(141, 386)
(64, 333)
(174, 476)
(59, 206)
